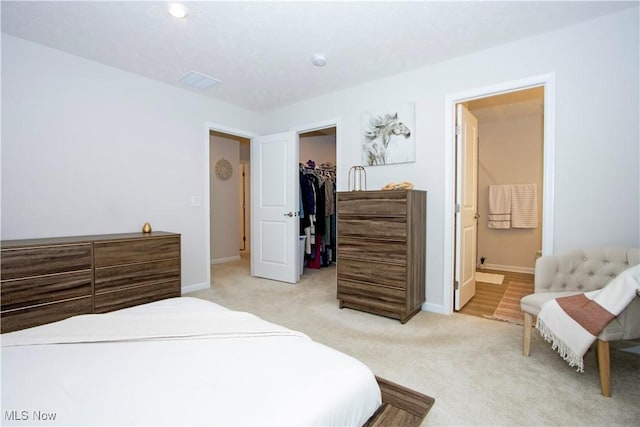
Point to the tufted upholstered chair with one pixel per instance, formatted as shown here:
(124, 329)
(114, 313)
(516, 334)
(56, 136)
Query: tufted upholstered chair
(579, 271)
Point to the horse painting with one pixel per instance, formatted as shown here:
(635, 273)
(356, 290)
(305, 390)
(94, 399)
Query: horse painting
(378, 134)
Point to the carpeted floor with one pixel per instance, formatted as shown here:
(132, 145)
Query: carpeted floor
(509, 306)
(473, 367)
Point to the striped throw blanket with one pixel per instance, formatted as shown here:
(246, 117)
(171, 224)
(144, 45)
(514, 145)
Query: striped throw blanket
(571, 324)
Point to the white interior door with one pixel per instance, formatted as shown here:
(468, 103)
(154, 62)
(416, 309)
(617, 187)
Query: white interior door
(466, 205)
(274, 207)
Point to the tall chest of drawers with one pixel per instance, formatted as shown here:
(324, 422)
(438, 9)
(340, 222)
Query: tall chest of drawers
(44, 280)
(381, 251)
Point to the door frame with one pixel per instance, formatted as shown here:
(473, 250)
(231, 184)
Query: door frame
(206, 198)
(548, 82)
(318, 126)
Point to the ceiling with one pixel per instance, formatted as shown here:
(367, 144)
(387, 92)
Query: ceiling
(511, 105)
(261, 51)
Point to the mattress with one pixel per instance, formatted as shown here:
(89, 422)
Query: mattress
(180, 361)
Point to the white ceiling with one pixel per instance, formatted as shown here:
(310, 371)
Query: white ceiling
(511, 105)
(261, 51)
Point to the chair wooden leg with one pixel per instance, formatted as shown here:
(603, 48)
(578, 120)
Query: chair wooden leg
(526, 337)
(604, 368)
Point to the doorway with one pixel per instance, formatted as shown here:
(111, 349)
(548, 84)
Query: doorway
(229, 190)
(510, 151)
(547, 82)
(508, 158)
(317, 154)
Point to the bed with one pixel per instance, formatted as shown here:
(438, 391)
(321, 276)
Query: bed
(179, 361)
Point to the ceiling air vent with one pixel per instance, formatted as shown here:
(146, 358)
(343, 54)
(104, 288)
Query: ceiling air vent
(198, 80)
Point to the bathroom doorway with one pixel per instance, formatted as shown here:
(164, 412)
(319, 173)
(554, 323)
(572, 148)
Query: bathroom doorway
(510, 154)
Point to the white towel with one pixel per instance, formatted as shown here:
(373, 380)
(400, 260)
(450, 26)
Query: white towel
(524, 206)
(499, 206)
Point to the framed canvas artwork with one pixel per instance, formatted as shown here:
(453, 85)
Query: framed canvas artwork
(388, 135)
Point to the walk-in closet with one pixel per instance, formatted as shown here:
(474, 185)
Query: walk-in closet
(317, 174)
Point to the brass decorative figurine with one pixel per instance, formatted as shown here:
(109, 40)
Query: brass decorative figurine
(146, 228)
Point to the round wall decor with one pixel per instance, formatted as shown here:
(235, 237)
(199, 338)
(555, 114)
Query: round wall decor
(223, 169)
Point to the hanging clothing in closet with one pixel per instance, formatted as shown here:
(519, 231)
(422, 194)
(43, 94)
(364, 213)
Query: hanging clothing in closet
(317, 200)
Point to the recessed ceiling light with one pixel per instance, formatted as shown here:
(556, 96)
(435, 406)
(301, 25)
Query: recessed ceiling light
(177, 10)
(319, 60)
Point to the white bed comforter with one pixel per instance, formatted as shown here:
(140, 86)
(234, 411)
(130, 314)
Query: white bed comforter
(182, 361)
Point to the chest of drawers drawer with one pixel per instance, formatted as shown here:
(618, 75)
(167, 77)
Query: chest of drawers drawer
(119, 252)
(132, 296)
(138, 274)
(38, 290)
(376, 203)
(35, 315)
(43, 260)
(372, 250)
(392, 228)
(389, 275)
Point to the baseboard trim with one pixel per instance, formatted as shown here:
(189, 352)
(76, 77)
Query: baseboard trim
(434, 308)
(195, 287)
(510, 268)
(223, 260)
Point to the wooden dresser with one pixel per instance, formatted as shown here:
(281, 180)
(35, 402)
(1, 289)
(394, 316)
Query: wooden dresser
(45, 280)
(381, 251)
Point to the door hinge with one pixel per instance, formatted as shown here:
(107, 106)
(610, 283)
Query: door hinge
(456, 285)
(458, 130)
(457, 207)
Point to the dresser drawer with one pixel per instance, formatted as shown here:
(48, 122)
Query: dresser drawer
(47, 313)
(122, 276)
(118, 252)
(130, 297)
(41, 260)
(384, 301)
(367, 250)
(20, 293)
(347, 288)
(373, 228)
(366, 203)
(365, 271)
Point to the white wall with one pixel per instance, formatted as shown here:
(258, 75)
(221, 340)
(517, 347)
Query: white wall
(224, 215)
(597, 199)
(89, 149)
(320, 149)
